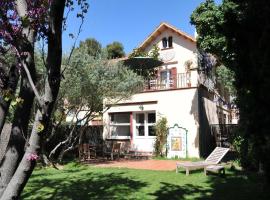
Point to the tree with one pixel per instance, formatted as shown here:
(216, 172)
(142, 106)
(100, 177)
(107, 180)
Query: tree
(237, 33)
(115, 50)
(22, 24)
(88, 82)
(144, 63)
(93, 47)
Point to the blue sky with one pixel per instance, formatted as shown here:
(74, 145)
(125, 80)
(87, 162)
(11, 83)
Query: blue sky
(130, 21)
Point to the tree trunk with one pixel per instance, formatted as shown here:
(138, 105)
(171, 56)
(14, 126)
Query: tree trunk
(4, 106)
(27, 164)
(15, 149)
(13, 78)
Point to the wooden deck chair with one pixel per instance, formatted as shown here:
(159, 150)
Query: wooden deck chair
(84, 152)
(114, 151)
(213, 159)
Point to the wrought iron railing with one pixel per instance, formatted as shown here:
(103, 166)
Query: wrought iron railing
(180, 80)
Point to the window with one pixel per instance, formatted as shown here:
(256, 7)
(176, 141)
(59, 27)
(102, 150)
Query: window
(145, 123)
(140, 124)
(164, 42)
(151, 123)
(167, 42)
(120, 124)
(167, 79)
(170, 41)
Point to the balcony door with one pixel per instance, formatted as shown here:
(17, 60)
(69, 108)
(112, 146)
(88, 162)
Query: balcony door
(168, 78)
(165, 78)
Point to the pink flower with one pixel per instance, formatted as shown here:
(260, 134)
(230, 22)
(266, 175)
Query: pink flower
(32, 157)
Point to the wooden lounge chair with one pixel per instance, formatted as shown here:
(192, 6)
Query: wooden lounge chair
(213, 159)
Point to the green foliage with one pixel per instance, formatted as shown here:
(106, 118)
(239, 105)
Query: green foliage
(237, 33)
(146, 72)
(88, 81)
(161, 129)
(115, 50)
(226, 77)
(138, 52)
(93, 47)
(237, 143)
(208, 18)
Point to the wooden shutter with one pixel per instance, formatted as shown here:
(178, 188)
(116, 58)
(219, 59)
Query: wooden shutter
(174, 77)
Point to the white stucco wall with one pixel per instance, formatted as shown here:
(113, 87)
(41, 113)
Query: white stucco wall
(178, 106)
(183, 50)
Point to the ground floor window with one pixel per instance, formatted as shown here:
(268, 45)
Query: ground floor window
(120, 124)
(144, 123)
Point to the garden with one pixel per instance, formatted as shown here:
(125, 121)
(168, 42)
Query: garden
(77, 181)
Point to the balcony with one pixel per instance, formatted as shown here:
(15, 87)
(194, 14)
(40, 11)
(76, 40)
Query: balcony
(180, 80)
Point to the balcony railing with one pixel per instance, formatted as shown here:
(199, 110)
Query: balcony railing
(181, 80)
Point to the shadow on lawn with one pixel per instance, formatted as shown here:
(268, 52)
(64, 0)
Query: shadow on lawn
(235, 185)
(176, 192)
(90, 186)
(81, 184)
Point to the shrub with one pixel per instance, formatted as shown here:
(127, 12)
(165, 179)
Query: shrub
(161, 129)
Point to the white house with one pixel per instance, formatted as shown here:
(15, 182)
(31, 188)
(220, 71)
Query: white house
(179, 92)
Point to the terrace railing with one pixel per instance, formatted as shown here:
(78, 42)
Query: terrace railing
(180, 80)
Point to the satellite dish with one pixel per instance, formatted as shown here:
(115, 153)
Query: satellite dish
(167, 55)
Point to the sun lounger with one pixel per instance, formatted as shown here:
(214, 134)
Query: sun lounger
(213, 159)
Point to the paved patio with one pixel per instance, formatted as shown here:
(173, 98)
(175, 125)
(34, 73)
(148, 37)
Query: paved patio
(160, 165)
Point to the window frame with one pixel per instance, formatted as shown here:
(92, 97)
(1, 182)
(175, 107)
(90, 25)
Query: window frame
(113, 124)
(167, 43)
(146, 124)
(164, 43)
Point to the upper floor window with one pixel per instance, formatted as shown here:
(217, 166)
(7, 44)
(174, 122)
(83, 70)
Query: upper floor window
(167, 42)
(170, 41)
(164, 42)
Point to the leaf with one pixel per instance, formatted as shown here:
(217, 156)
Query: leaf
(13, 103)
(19, 100)
(6, 98)
(40, 127)
(25, 21)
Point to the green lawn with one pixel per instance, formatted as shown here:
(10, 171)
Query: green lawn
(79, 182)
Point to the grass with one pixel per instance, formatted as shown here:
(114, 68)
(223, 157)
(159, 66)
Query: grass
(78, 182)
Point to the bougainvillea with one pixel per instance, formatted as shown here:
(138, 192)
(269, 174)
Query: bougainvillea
(12, 24)
(32, 157)
(36, 18)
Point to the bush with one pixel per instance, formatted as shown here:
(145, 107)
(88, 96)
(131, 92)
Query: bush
(161, 129)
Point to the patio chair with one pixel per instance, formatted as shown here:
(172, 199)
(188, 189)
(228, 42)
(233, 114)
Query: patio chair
(84, 153)
(114, 151)
(213, 159)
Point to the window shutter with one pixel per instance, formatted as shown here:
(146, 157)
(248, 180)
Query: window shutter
(174, 77)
